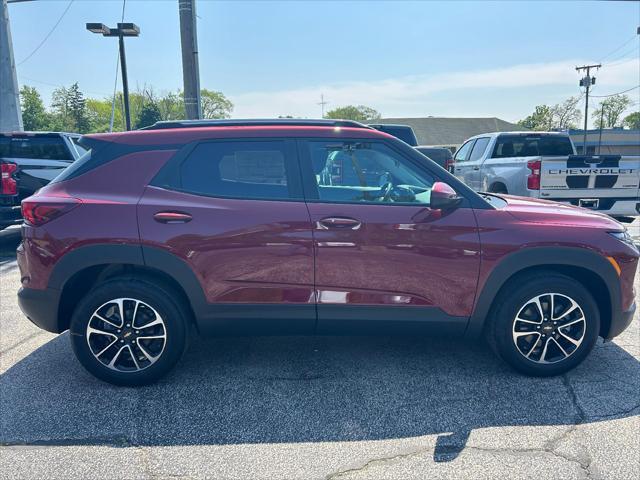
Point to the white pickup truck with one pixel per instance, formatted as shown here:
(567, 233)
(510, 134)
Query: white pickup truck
(544, 165)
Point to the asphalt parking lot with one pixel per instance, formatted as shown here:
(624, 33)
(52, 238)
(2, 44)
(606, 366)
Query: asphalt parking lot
(305, 407)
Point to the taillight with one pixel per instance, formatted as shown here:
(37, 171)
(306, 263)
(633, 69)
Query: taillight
(38, 210)
(8, 185)
(448, 165)
(533, 180)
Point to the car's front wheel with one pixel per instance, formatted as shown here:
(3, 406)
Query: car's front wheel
(544, 325)
(129, 331)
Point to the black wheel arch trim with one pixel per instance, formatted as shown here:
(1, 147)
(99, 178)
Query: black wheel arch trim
(540, 257)
(137, 255)
(90, 256)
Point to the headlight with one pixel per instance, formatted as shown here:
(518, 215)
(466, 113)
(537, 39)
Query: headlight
(624, 237)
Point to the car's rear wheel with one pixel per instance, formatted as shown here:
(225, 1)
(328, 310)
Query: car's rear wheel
(545, 325)
(129, 331)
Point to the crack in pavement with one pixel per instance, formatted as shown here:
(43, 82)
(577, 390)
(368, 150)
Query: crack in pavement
(584, 462)
(583, 465)
(21, 342)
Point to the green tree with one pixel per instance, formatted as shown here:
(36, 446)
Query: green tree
(70, 110)
(34, 115)
(566, 115)
(540, 119)
(171, 106)
(148, 115)
(215, 104)
(78, 109)
(360, 113)
(609, 112)
(632, 121)
(61, 117)
(99, 114)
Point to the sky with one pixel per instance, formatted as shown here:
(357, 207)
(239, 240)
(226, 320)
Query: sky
(405, 59)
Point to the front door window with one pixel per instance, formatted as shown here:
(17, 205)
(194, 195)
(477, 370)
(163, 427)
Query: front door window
(367, 172)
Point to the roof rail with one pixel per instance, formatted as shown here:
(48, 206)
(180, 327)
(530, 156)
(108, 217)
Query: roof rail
(288, 122)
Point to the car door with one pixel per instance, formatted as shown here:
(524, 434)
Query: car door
(233, 212)
(461, 167)
(474, 164)
(385, 259)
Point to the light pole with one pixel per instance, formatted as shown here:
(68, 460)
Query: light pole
(123, 30)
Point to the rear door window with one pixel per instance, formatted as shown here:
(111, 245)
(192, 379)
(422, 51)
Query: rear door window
(46, 148)
(239, 169)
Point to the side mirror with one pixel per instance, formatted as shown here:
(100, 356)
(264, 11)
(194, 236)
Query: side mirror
(443, 197)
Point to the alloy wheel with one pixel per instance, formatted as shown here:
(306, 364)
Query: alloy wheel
(126, 335)
(549, 328)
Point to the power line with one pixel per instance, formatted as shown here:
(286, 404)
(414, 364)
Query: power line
(620, 47)
(623, 56)
(614, 94)
(57, 85)
(46, 37)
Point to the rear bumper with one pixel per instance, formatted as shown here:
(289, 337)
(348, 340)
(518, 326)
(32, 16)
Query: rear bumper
(623, 207)
(41, 307)
(620, 322)
(10, 215)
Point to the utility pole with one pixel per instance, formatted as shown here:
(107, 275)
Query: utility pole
(322, 103)
(10, 113)
(601, 125)
(190, 68)
(586, 82)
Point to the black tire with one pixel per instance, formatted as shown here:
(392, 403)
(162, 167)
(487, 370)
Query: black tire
(161, 300)
(502, 327)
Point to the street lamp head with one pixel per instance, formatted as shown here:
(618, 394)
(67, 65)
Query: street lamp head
(98, 28)
(129, 29)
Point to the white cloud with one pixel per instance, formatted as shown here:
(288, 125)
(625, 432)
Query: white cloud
(509, 92)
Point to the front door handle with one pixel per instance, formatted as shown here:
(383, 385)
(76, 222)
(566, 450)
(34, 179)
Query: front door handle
(172, 217)
(346, 223)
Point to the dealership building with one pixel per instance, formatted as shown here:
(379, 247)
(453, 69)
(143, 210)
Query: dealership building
(616, 141)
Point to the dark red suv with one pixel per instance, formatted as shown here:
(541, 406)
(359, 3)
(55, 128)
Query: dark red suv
(302, 227)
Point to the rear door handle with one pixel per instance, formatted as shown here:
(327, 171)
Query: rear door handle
(172, 217)
(476, 168)
(346, 223)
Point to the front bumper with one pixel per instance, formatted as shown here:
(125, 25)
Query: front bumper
(10, 215)
(620, 322)
(41, 307)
